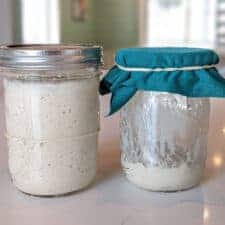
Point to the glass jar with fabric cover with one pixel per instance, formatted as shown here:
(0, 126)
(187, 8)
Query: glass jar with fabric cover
(163, 95)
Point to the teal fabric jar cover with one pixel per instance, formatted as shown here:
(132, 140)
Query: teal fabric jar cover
(189, 72)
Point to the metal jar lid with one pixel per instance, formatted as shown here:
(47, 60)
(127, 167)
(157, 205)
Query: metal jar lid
(45, 57)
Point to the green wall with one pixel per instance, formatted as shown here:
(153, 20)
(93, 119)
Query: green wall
(111, 23)
(116, 22)
(76, 31)
(17, 21)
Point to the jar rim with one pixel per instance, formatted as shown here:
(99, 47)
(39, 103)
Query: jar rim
(49, 56)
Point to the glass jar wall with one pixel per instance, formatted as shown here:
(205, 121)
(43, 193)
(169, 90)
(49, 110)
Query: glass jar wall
(164, 140)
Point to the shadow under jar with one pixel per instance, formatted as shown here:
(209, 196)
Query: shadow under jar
(52, 116)
(164, 140)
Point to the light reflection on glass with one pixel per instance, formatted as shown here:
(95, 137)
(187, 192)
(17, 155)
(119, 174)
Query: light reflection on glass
(217, 160)
(223, 130)
(206, 215)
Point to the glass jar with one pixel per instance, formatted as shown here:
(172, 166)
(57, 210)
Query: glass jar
(164, 140)
(52, 115)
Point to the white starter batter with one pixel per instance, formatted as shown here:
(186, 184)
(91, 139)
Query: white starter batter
(163, 179)
(52, 129)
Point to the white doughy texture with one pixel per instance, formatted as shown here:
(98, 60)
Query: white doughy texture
(163, 179)
(52, 130)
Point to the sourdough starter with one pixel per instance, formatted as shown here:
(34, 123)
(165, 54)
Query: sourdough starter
(52, 129)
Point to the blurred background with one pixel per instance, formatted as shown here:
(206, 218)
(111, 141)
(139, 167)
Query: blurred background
(115, 23)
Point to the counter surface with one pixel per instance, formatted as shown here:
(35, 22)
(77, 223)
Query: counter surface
(112, 200)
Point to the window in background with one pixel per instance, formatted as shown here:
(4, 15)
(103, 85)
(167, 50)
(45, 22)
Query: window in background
(181, 22)
(220, 24)
(40, 21)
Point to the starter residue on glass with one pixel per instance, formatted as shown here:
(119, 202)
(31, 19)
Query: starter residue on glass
(51, 130)
(164, 140)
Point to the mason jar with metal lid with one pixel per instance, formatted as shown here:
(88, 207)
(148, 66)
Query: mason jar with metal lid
(52, 115)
